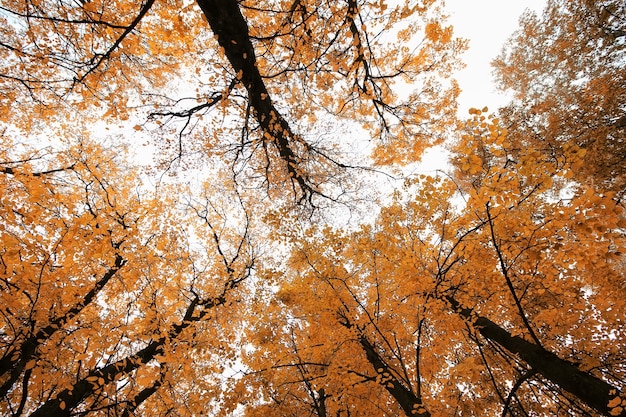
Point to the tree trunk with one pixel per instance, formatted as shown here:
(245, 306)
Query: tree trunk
(231, 30)
(591, 390)
(408, 401)
(14, 360)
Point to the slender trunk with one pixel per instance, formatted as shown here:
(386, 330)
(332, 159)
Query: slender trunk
(67, 400)
(143, 395)
(410, 403)
(64, 403)
(14, 361)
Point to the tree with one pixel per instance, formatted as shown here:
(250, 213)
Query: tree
(121, 289)
(491, 291)
(565, 69)
(507, 304)
(271, 69)
(101, 288)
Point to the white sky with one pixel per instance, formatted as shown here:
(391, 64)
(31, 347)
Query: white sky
(487, 24)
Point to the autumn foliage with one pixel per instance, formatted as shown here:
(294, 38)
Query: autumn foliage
(249, 262)
(566, 71)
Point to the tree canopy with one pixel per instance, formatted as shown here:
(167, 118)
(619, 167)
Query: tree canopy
(566, 70)
(268, 254)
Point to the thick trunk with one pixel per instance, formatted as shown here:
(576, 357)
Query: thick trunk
(320, 403)
(231, 30)
(408, 401)
(591, 390)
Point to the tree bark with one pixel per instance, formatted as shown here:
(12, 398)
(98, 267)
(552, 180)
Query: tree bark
(591, 390)
(63, 404)
(408, 401)
(14, 360)
(231, 30)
